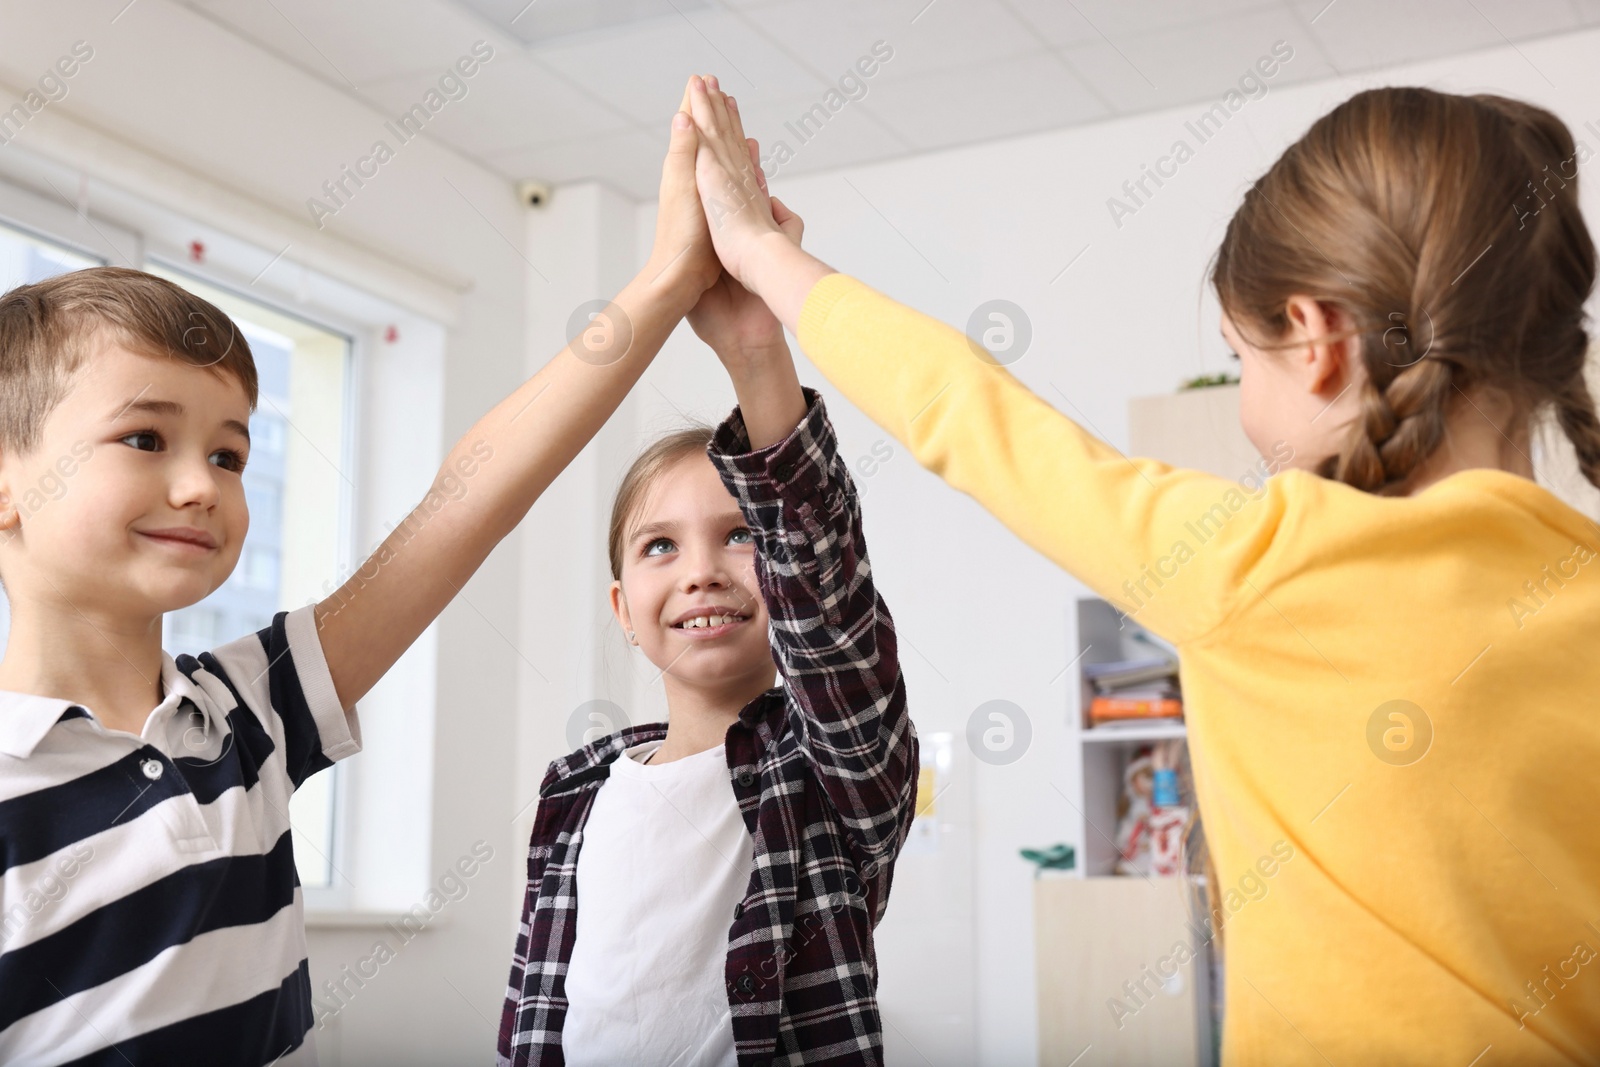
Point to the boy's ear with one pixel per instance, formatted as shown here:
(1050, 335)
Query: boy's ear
(10, 515)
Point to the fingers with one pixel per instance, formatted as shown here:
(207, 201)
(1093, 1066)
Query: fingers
(684, 141)
(716, 126)
(700, 106)
(735, 119)
(678, 168)
(718, 101)
(755, 161)
(787, 220)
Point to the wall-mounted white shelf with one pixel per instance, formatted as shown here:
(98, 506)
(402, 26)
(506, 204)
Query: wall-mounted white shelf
(1158, 730)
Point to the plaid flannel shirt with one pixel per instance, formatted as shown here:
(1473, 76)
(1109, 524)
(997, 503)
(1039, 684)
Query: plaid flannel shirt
(824, 767)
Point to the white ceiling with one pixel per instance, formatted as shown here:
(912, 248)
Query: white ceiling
(584, 89)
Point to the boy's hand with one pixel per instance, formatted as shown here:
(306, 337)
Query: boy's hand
(682, 258)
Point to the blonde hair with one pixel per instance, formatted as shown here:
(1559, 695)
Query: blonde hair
(644, 472)
(46, 329)
(1448, 228)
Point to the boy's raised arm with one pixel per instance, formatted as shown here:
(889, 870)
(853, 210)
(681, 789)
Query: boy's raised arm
(515, 451)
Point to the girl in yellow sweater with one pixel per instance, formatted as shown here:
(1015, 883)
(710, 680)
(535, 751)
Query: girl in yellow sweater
(1389, 650)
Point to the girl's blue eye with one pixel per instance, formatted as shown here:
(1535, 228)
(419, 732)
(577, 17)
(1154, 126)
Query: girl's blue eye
(741, 536)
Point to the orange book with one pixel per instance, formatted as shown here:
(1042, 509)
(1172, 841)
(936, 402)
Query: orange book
(1105, 709)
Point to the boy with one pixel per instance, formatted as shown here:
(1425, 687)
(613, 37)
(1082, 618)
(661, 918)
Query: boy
(149, 909)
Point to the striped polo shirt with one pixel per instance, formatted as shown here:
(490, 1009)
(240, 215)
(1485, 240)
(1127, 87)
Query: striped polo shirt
(150, 912)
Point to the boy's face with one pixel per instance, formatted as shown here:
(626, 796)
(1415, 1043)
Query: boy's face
(690, 549)
(152, 515)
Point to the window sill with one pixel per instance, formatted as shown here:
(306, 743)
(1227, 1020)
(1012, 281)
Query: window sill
(353, 919)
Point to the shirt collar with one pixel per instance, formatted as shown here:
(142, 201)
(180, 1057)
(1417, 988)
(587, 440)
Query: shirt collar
(25, 718)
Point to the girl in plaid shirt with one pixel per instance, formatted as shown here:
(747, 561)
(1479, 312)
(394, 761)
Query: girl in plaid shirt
(731, 865)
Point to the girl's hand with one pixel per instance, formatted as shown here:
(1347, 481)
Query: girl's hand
(682, 258)
(732, 188)
(762, 254)
(735, 322)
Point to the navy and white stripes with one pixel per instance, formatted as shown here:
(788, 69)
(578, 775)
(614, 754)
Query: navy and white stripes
(149, 907)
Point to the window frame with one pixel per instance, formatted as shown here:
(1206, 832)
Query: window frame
(57, 223)
(337, 895)
(98, 238)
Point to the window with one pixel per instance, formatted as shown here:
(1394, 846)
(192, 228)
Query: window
(25, 258)
(297, 471)
(295, 485)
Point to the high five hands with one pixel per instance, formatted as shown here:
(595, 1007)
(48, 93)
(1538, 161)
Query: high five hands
(733, 321)
(755, 236)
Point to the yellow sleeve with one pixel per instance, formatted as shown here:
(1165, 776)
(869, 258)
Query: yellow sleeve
(1170, 547)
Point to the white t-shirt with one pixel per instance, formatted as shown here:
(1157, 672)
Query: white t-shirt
(664, 859)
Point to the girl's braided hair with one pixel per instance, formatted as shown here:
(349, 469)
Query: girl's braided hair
(1448, 228)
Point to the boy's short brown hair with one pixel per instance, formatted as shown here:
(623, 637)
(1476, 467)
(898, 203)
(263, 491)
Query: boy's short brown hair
(46, 330)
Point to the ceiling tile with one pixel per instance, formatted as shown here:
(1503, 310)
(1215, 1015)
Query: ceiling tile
(1054, 22)
(355, 41)
(1506, 20)
(1022, 94)
(510, 103)
(1149, 71)
(813, 137)
(550, 21)
(1118, 18)
(831, 35)
(642, 70)
(1370, 34)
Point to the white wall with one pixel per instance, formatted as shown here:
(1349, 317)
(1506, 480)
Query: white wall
(181, 110)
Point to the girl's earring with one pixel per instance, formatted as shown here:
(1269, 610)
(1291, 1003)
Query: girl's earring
(631, 641)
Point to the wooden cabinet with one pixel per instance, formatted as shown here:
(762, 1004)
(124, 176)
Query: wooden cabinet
(1110, 977)
(1198, 429)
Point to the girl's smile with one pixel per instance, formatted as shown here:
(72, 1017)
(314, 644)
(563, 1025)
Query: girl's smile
(709, 623)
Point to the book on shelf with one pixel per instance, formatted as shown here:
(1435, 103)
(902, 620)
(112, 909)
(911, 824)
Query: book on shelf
(1120, 674)
(1120, 708)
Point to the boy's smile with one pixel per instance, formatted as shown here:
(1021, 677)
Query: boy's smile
(155, 520)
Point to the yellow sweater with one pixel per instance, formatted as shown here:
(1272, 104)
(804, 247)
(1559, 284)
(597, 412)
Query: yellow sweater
(1430, 907)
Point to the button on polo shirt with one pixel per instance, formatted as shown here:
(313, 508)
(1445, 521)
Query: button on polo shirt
(148, 896)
